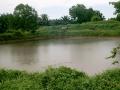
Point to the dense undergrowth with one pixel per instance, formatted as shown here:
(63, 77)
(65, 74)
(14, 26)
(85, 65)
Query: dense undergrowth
(61, 78)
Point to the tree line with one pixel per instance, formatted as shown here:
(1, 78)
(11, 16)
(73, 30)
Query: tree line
(26, 18)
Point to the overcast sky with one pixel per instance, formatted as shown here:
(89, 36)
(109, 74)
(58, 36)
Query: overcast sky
(57, 8)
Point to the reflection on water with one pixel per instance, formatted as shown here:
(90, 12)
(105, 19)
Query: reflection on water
(86, 54)
(18, 52)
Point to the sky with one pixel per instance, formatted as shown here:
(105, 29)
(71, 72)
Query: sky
(58, 8)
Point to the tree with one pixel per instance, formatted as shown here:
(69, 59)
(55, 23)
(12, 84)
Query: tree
(99, 14)
(118, 17)
(65, 19)
(3, 23)
(6, 22)
(114, 54)
(116, 50)
(26, 17)
(43, 20)
(117, 9)
(78, 13)
(55, 22)
(81, 14)
(90, 14)
(116, 6)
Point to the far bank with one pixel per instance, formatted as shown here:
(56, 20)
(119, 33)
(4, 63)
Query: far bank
(90, 29)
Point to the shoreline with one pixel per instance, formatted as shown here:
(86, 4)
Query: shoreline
(58, 37)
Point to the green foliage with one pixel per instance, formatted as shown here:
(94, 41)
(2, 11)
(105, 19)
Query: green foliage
(118, 17)
(62, 21)
(108, 80)
(116, 6)
(59, 79)
(77, 11)
(18, 33)
(54, 22)
(99, 28)
(115, 53)
(6, 36)
(95, 18)
(26, 17)
(81, 14)
(65, 20)
(44, 20)
(117, 9)
(112, 19)
(6, 22)
(15, 35)
(3, 24)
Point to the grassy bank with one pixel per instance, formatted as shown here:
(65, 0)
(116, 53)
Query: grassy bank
(59, 79)
(99, 29)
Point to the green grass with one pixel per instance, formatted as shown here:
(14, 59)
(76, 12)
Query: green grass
(98, 29)
(59, 79)
(101, 28)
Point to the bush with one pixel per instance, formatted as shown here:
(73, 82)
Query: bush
(14, 35)
(6, 36)
(95, 18)
(118, 17)
(18, 33)
(59, 79)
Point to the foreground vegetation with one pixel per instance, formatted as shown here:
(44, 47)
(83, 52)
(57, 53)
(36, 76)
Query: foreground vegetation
(59, 79)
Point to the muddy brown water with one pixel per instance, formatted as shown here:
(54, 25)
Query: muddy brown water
(84, 54)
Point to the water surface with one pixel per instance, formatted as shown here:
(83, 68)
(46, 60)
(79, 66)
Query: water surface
(85, 54)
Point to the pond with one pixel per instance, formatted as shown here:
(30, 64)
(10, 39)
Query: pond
(84, 54)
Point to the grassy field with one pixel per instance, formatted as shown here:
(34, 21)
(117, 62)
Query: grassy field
(99, 29)
(59, 79)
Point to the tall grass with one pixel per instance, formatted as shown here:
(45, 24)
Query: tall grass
(59, 79)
